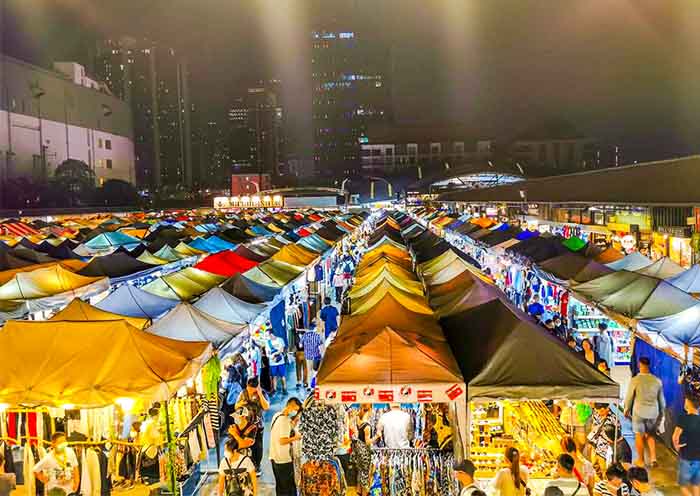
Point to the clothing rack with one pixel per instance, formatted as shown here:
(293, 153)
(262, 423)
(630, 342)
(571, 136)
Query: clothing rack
(193, 424)
(70, 443)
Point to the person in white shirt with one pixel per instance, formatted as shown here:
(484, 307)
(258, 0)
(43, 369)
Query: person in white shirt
(511, 480)
(238, 469)
(281, 438)
(566, 481)
(58, 470)
(396, 427)
(464, 473)
(276, 350)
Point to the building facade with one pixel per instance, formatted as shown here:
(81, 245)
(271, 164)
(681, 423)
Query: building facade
(351, 91)
(257, 136)
(49, 116)
(388, 149)
(154, 81)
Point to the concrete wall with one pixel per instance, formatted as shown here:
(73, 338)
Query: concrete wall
(73, 121)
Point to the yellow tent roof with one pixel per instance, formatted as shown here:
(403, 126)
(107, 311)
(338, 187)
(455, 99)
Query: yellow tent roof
(414, 303)
(70, 264)
(436, 264)
(295, 255)
(149, 258)
(380, 258)
(90, 364)
(136, 233)
(184, 284)
(366, 276)
(79, 310)
(446, 273)
(274, 228)
(187, 250)
(386, 277)
(280, 272)
(389, 251)
(47, 281)
(385, 240)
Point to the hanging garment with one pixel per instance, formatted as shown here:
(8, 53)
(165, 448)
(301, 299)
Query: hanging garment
(319, 431)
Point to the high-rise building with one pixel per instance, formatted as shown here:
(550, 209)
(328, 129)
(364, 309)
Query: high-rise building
(154, 80)
(257, 138)
(351, 90)
(212, 155)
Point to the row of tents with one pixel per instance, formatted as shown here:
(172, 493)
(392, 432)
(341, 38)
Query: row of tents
(657, 297)
(137, 343)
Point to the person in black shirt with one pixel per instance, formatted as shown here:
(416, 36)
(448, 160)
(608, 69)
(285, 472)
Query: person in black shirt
(686, 439)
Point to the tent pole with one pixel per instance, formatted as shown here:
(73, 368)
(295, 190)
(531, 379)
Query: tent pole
(615, 443)
(171, 446)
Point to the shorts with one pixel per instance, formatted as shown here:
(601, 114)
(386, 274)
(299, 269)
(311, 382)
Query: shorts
(688, 472)
(643, 426)
(278, 370)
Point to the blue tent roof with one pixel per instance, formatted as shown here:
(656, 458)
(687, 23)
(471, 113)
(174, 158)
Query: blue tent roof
(110, 239)
(527, 235)
(261, 231)
(220, 243)
(681, 328)
(314, 243)
(633, 261)
(688, 280)
(134, 302)
(204, 245)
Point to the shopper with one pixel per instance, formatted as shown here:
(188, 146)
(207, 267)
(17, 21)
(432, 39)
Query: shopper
(396, 428)
(8, 481)
(560, 329)
(511, 480)
(566, 481)
(361, 450)
(535, 308)
(58, 470)
(619, 450)
(281, 438)
(603, 418)
(614, 484)
(242, 429)
(302, 370)
(604, 344)
(329, 316)
(645, 404)
(639, 479)
(277, 351)
(464, 473)
(686, 440)
(553, 491)
(236, 472)
(583, 469)
(338, 284)
(150, 439)
(312, 342)
(253, 398)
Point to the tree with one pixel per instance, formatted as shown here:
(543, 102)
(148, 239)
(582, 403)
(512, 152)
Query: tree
(116, 192)
(76, 179)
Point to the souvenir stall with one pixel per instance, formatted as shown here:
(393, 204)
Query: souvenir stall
(511, 385)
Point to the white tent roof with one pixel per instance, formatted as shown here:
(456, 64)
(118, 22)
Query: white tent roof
(224, 306)
(186, 323)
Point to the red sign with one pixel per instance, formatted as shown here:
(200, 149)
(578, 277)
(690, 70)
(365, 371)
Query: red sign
(454, 392)
(317, 394)
(386, 395)
(425, 396)
(348, 396)
(330, 395)
(368, 392)
(406, 391)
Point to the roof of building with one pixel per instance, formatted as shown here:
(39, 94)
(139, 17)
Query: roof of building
(418, 133)
(552, 129)
(666, 182)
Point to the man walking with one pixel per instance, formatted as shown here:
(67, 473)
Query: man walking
(281, 438)
(645, 403)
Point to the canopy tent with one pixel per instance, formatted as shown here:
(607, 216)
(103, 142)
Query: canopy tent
(634, 295)
(295, 255)
(688, 281)
(203, 245)
(219, 243)
(315, 242)
(413, 302)
(131, 301)
(539, 249)
(246, 252)
(571, 267)
(281, 273)
(50, 281)
(247, 290)
(385, 277)
(106, 242)
(387, 357)
(187, 250)
(148, 258)
(663, 268)
(368, 275)
(503, 354)
(452, 270)
(224, 306)
(609, 255)
(456, 285)
(187, 323)
(9, 261)
(574, 243)
(79, 310)
(225, 263)
(113, 360)
(477, 293)
(633, 261)
(372, 260)
(386, 240)
(184, 284)
(682, 329)
(431, 267)
(169, 254)
(71, 265)
(115, 265)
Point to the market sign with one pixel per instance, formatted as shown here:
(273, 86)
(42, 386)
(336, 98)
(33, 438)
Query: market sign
(616, 226)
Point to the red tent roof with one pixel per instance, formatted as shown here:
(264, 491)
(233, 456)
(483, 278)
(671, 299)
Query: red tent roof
(226, 263)
(303, 232)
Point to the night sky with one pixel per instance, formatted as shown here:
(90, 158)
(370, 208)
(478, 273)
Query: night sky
(620, 70)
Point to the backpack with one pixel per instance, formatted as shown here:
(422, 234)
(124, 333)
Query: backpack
(238, 481)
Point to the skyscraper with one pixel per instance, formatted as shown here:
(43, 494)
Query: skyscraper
(257, 138)
(351, 89)
(154, 80)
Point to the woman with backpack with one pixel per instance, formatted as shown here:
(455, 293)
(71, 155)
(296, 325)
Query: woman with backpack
(236, 473)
